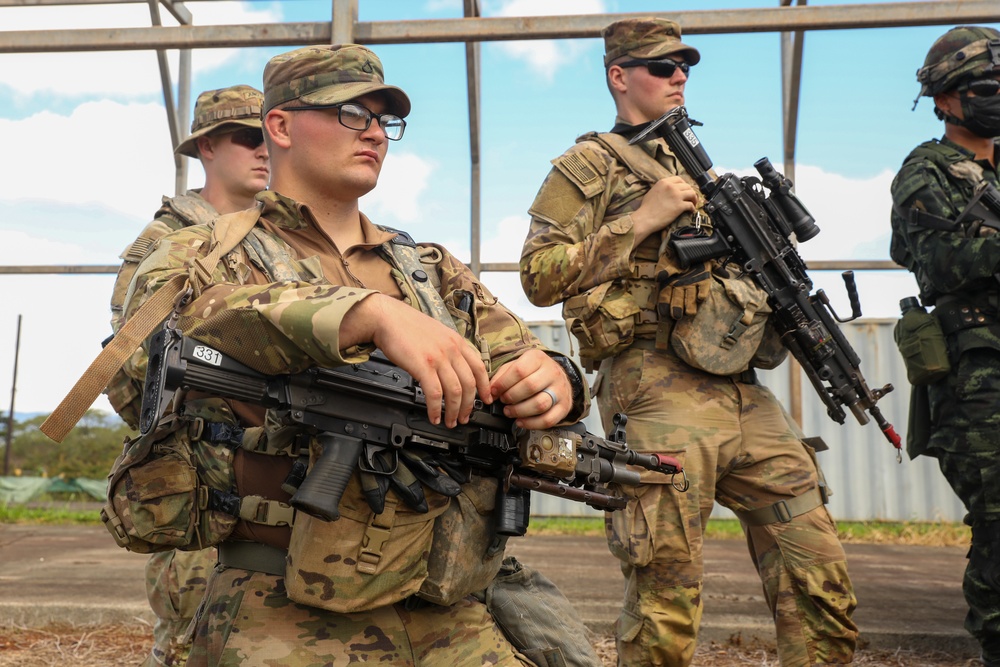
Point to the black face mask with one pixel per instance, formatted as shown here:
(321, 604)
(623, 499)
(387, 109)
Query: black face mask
(982, 115)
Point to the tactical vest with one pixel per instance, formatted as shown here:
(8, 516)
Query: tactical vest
(964, 174)
(174, 213)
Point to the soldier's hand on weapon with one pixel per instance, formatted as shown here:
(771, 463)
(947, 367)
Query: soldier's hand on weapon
(535, 390)
(666, 200)
(449, 370)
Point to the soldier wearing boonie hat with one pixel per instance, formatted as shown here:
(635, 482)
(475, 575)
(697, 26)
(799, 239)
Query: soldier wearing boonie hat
(316, 283)
(220, 111)
(226, 136)
(594, 244)
(950, 241)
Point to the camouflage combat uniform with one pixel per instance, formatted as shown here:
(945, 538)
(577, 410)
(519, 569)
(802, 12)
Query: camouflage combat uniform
(737, 445)
(175, 580)
(957, 271)
(277, 314)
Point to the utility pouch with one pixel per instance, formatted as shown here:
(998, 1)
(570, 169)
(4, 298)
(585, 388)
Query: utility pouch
(466, 553)
(918, 426)
(602, 319)
(159, 488)
(725, 333)
(922, 344)
(362, 560)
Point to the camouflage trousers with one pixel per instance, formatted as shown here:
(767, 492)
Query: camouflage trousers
(966, 442)
(738, 447)
(247, 619)
(175, 585)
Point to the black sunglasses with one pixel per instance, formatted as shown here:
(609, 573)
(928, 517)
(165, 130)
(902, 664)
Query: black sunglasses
(664, 68)
(983, 87)
(248, 137)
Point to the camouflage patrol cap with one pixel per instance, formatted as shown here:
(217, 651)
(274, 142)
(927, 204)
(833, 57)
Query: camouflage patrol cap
(645, 38)
(223, 109)
(961, 54)
(329, 75)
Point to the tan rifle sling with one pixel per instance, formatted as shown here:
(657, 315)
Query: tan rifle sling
(227, 233)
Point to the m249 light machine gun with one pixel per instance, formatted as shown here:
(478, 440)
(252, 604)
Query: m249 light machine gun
(752, 229)
(368, 416)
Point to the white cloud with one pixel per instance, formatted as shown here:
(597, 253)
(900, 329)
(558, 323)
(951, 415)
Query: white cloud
(118, 154)
(403, 180)
(118, 73)
(546, 56)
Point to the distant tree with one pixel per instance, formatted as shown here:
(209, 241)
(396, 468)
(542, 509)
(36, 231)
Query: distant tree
(88, 450)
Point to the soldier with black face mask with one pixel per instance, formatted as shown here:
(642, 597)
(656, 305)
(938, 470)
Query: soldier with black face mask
(948, 239)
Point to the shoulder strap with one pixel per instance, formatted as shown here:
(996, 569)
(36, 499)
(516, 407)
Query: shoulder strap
(634, 157)
(227, 233)
(404, 250)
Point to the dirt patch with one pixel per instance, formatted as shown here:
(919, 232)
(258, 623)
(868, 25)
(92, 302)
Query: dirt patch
(128, 645)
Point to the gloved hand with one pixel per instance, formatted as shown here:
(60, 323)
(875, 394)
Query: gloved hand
(403, 471)
(681, 294)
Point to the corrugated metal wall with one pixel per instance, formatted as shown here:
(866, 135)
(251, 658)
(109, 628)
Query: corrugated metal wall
(860, 465)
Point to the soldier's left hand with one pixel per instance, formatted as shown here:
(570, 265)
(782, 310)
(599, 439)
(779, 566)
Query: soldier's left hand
(524, 386)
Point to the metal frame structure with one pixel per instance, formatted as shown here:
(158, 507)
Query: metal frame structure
(792, 18)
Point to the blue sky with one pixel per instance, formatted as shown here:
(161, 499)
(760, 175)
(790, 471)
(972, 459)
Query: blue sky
(89, 155)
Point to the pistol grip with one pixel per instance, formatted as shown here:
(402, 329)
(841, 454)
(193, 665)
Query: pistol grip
(320, 492)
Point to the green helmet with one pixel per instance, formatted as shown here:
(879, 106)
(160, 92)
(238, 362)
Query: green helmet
(961, 54)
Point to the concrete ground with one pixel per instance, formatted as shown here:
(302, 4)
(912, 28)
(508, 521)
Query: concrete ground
(910, 597)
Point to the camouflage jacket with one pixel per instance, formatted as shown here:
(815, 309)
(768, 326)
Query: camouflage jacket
(581, 226)
(174, 213)
(957, 262)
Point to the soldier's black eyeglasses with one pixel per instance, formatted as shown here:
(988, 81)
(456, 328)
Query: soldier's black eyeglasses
(664, 68)
(983, 87)
(248, 137)
(356, 117)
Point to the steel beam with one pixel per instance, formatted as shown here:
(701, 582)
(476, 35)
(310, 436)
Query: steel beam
(773, 19)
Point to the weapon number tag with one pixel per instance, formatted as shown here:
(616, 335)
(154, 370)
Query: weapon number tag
(208, 355)
(690, 137)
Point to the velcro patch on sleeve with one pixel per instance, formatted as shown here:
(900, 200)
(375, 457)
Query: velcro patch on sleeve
(582, 172)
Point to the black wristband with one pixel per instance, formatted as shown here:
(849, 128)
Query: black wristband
(575, 381)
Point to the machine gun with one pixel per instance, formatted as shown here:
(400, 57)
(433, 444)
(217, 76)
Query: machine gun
(364, 414)
(752, 229)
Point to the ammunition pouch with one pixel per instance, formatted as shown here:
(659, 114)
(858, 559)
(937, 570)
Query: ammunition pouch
(159, 488)
(724, 335)
(921, 342)
(364, 560)
(602, 319)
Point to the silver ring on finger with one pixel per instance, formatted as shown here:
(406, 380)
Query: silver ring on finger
(552, 395)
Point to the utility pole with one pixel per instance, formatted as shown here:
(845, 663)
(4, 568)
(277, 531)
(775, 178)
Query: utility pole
(10, 414)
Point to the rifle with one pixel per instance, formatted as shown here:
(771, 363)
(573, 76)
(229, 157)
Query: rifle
(753, 230)
(364, 414)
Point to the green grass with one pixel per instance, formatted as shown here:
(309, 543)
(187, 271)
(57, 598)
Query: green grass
(52, 514)
(941, 533)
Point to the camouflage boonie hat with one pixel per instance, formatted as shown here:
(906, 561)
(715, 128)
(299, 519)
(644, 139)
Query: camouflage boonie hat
(961, 54)
(329, 75)
(226, 108)
(648, 38)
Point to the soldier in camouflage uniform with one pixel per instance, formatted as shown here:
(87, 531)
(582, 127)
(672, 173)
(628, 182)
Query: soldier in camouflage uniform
(954, 252)
(595, 244)
(226, 136)
(316, 283)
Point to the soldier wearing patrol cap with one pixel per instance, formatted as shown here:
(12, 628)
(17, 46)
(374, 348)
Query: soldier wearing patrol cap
(226, 136)
(595, 245)
(950, 243)
(316, 283)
